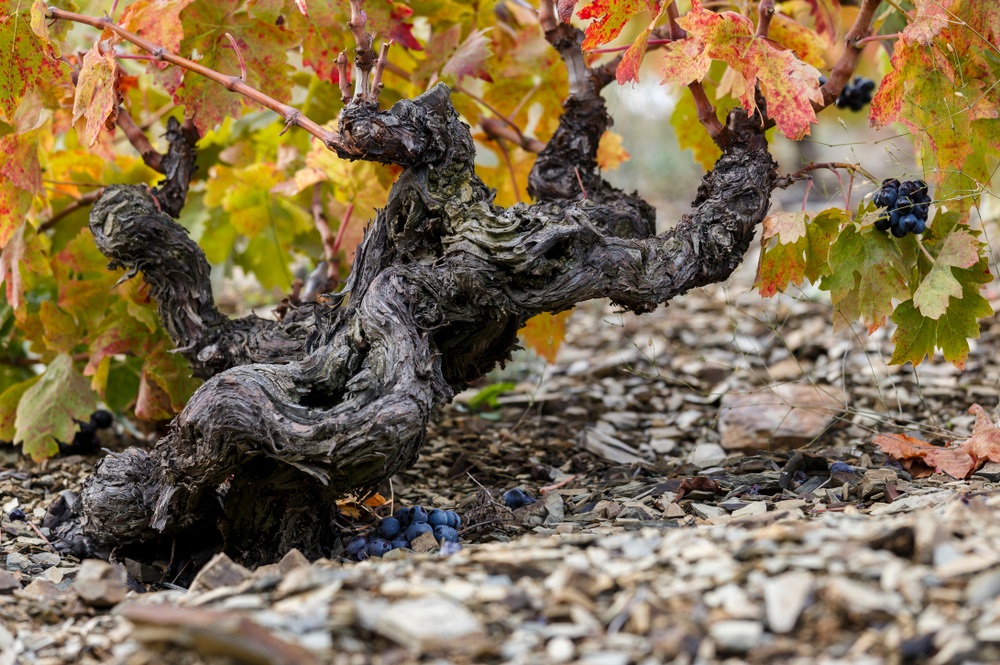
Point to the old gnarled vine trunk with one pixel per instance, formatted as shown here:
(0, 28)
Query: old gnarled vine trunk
(336, 396)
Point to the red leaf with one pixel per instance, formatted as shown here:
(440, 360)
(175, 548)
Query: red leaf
(469, 59)
(26, 59)
(610, 16)
(21, 165)
(159, 21)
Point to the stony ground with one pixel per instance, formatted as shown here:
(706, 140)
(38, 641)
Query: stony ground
(709, 492)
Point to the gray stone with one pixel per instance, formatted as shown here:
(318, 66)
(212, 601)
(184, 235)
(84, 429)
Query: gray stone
(707, 454)
(17, 561)
(9, 582)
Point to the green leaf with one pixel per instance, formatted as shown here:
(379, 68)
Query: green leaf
(960, 250)
(25, 59)
(796, 248)
(9, 400)
(866, 273)
(50, 409)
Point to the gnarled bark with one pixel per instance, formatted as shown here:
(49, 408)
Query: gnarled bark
(337, 396)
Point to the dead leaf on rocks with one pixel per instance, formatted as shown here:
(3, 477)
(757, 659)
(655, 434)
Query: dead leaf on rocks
(921, 458)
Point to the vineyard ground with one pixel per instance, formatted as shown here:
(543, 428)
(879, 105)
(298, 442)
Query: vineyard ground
(609, 567)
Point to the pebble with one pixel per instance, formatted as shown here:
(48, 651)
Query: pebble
(785, 597)
(560, 649)
(707, 454)
(736, 636)
(100, 584)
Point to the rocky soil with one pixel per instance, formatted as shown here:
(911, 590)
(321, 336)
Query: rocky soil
(708, 491)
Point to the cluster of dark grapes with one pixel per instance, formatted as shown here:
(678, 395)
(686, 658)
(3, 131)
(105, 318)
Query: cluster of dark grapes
(906, 203)
(86, 440)
(855, 94)
(405, 526)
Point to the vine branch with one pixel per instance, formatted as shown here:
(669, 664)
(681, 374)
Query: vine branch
(291, 115)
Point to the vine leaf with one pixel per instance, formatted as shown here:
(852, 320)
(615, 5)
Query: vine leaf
(49, 410)
(158, 21)
(97, 93)
(21, 251)
(826, 17)
(14, 205)
(789, 84)
(469, 59)
(960, 250)
(19, 162)
(264, 49)
(609, 17)
(9, 400)
(25, 59)
(796, 248)
(917, 335)
(610, 152)
(544, 333)
(865, 275)
(940, 89)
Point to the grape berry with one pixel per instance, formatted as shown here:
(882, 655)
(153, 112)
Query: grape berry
(406, 525)
(907, 205)
(855, 94)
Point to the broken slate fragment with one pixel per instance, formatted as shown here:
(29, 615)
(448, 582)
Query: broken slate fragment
(782, 417)
(100, 584)
(220, 571)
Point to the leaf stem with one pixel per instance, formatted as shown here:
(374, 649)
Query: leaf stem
(239, 55)
(82, 202)
(232, 83)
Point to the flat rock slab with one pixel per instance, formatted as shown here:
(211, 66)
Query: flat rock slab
(781, 417)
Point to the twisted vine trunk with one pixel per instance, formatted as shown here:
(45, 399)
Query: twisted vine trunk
(336, 397)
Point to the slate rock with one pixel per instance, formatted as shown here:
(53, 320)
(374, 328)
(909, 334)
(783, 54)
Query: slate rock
(100, 584)
(782, 417)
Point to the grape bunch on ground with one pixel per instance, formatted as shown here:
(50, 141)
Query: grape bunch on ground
(907, 205)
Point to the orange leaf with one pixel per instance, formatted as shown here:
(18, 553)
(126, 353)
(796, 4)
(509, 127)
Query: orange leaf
(985, 440)
(375, 500)
(544, 333)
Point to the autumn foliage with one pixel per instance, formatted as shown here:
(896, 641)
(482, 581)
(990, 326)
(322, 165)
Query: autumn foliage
(268, 203)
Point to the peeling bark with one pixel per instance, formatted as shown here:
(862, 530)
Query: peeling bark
(337, 396)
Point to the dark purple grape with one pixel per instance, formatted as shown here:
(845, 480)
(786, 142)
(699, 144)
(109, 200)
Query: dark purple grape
(886, 197)
(442, 533)
(17, 515)
(908, 222)
(898, 232)
(454, 520)
(867, 85)
(399, 543)
(437, 518)
(840, 467)
(890, 183)
(356, 545)
(101, 419)
(904, 203)
(894, 216)
(403, 515)
(418, 515)
(883, 222)
(517, 497)
(389, 527)
(378, 547)
(921, 210)
(908, 188)
(416, 529)
(921, 225)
